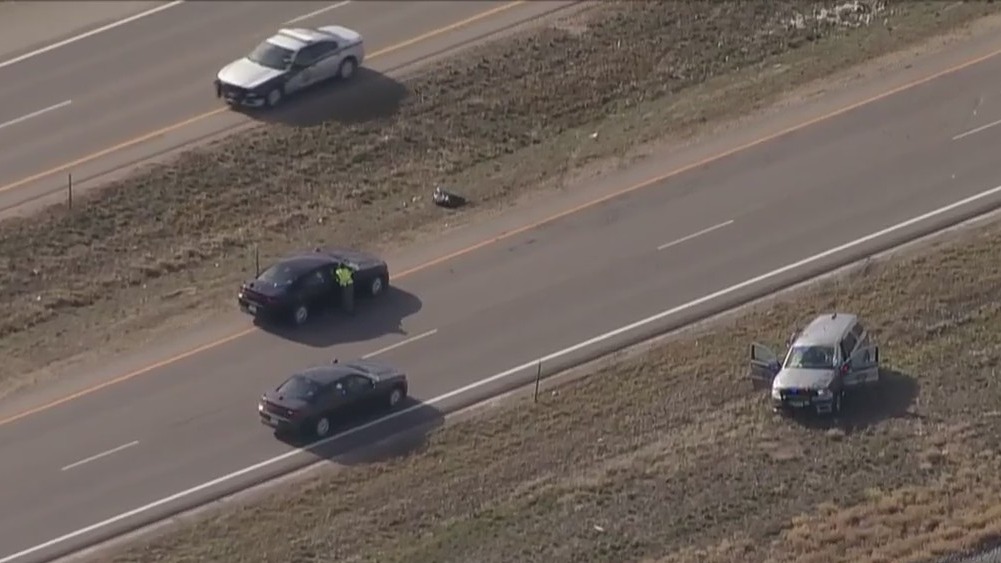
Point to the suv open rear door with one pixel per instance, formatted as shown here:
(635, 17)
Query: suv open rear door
(865, 365)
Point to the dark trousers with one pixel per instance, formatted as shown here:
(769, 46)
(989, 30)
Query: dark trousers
(348, 298)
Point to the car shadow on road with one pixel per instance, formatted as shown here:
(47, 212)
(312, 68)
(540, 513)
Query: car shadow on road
(367, 96)
(372, 318)
(379, 437)
(892, 398)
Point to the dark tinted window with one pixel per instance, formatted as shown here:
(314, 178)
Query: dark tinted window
(848, 345)
(279, 275)
(272, 56)
(299, 387)
(309, 55)
(323, 49)
(357, 383)
(315, 279)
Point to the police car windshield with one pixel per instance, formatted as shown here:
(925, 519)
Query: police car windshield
(272, 56)
(278, 275)
(811, 357)
(298, 387)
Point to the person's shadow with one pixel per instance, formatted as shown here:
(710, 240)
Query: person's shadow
(372, 318)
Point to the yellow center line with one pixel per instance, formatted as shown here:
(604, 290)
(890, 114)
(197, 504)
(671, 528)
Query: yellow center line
(201, 117)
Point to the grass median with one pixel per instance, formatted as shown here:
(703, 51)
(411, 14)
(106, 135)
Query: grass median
(670, 456)
(163, 248)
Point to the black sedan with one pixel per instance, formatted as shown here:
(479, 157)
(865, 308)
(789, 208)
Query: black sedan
(296, 286)
(310, 403)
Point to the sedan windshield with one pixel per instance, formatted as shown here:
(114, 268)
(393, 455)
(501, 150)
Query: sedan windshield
(272, 56)
(811, 357)
(298, 387)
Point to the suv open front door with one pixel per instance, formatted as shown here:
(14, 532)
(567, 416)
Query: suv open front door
(764, 365)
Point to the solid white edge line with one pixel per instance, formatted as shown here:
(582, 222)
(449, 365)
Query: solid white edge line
(90, 33)
(977, 130)
(100, 455)
(696, 234)
(317, 12)
(410, 340)
(483, 382)
(23, 118)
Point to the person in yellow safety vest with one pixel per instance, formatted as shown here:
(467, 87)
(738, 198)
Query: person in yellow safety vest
(344, 277)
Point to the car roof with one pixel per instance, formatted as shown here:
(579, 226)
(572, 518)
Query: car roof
(826, 329)
(286, 42)
(306, 261)
(296, 38)
(327, 374)
(371, 367)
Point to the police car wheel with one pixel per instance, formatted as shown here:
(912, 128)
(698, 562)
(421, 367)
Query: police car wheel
(347, 69)
(300, 315)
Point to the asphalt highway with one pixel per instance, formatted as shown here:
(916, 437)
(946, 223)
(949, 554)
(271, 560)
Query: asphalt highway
(69, 104)
(194, 420)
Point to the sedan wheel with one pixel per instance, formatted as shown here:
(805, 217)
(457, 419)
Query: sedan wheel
(322, 427)
(376, 287)
(301, 314)
(395, 397)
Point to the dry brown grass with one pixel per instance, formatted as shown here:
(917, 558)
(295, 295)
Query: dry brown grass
(164, 246)
(670, 456)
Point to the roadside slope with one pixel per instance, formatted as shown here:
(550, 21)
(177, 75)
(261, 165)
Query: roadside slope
(498, 122)
(669, 456)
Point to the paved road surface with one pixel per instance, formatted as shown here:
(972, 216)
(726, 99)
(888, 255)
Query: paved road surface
(157, 71)
(26, 25)
(499, 307)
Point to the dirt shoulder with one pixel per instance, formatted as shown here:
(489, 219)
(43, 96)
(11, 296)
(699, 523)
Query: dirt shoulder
(162, 249)
(680, 460)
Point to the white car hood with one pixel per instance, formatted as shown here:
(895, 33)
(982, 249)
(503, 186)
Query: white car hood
(247, 74)
(803, 378)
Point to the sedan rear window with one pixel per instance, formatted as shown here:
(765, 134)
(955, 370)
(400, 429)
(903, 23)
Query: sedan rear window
(298, 387)
(811, 357)
(278, 275)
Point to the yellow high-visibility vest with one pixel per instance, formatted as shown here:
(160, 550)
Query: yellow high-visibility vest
(343, 276)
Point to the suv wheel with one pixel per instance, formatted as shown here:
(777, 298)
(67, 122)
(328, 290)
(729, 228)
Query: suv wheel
(274, 98)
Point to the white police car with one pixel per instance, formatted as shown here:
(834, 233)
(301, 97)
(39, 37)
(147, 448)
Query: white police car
(289, 61)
